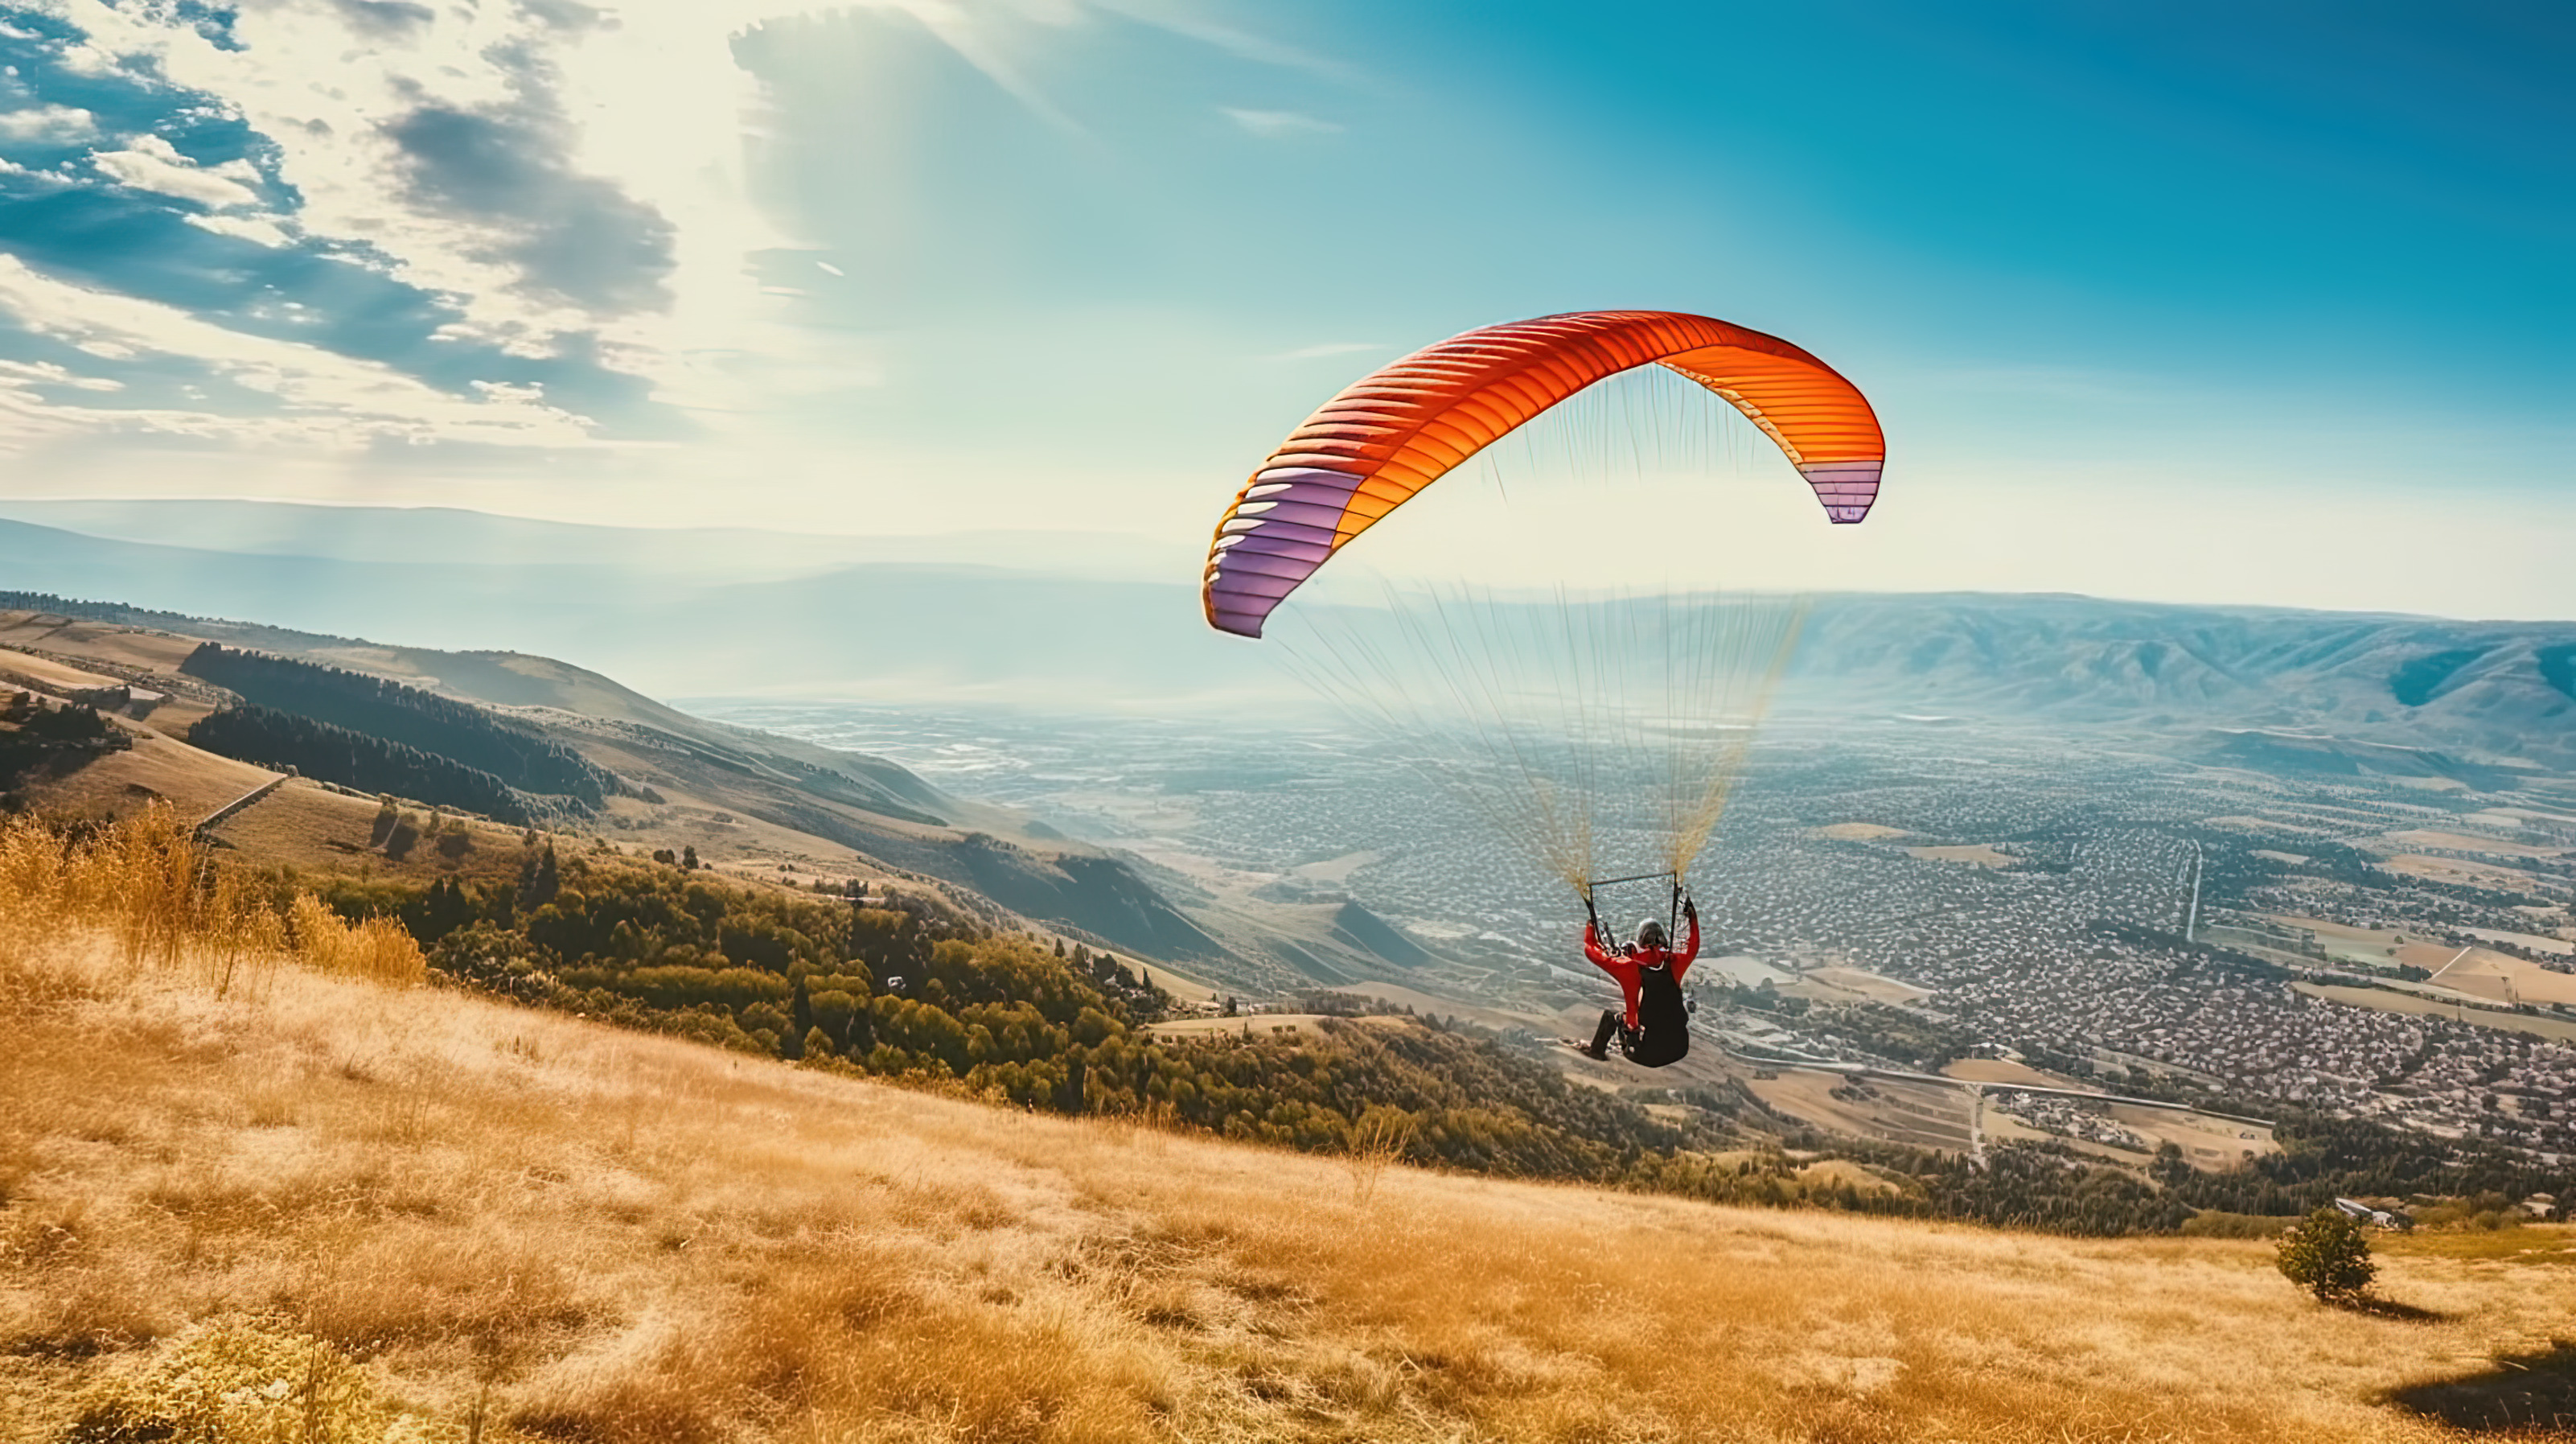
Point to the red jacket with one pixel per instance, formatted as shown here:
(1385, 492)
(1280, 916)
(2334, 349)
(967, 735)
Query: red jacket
(1623, 966)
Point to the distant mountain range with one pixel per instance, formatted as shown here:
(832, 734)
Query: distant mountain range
(2496, 690)
(817, 618)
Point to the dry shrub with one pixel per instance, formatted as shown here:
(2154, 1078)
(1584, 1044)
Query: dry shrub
(377, 950)
(242, 934)
(241, 1380)
(135, 878)
(148, 884)
(1376, 1143)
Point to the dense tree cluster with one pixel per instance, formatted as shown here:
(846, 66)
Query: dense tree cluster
(1893, 1033)
(2323, 1158)
(461, 732)
(1467, 1102)
(355, 759)
(32, 731)
(2044, 1187)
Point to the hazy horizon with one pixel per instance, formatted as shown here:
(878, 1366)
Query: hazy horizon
(1129, 556)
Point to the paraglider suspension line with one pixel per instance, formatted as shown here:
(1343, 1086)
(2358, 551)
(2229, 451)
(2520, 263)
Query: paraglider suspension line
(1672, 923)
(1614, 881)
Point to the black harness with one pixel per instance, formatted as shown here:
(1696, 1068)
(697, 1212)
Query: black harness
(1663, 1020)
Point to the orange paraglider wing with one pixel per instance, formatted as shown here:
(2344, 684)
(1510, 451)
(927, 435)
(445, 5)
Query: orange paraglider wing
(1367, 451)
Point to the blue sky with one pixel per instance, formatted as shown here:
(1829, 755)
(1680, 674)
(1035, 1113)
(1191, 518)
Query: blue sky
(2258, 302)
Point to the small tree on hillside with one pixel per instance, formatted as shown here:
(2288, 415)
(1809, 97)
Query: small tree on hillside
(2326, 1254)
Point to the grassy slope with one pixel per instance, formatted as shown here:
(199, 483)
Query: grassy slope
(638, 1239)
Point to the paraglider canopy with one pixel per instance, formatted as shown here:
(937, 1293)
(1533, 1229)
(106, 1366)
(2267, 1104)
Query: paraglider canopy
(1386, 437)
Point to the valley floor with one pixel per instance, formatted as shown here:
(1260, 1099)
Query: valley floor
(593, 1235)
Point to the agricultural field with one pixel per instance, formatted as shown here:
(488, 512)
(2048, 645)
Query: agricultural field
(1742, 971)
(1919, 1115)
(2246, 823)
(2471, 874)
(2343, 942)
(1858, 831)
(2464, 842)
(2390, 1001)
(1334, 869)
(2559, 945)
(2501, 977)
(1856, 983)
(1979, 854)
(2206, 1141)
(102, 641)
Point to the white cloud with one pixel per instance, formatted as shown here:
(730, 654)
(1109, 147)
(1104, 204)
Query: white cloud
(1271, 124)
(590, 129)
(47, 373)
(153, 164)
(320, 397)
(255, 229)
(85, 59)
(47, 124)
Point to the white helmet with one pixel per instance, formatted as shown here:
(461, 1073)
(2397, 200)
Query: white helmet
(1650, 933)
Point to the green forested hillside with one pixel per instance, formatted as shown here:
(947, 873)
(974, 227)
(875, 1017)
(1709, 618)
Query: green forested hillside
(353, 759)
(469, 736)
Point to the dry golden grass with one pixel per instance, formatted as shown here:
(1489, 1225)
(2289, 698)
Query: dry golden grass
(105, 641)
(304, 825)
(49, 673)
(126, 783)
(412, 1214)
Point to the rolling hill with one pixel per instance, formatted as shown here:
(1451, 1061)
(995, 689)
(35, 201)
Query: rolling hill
(745, 799)
(752, 804)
